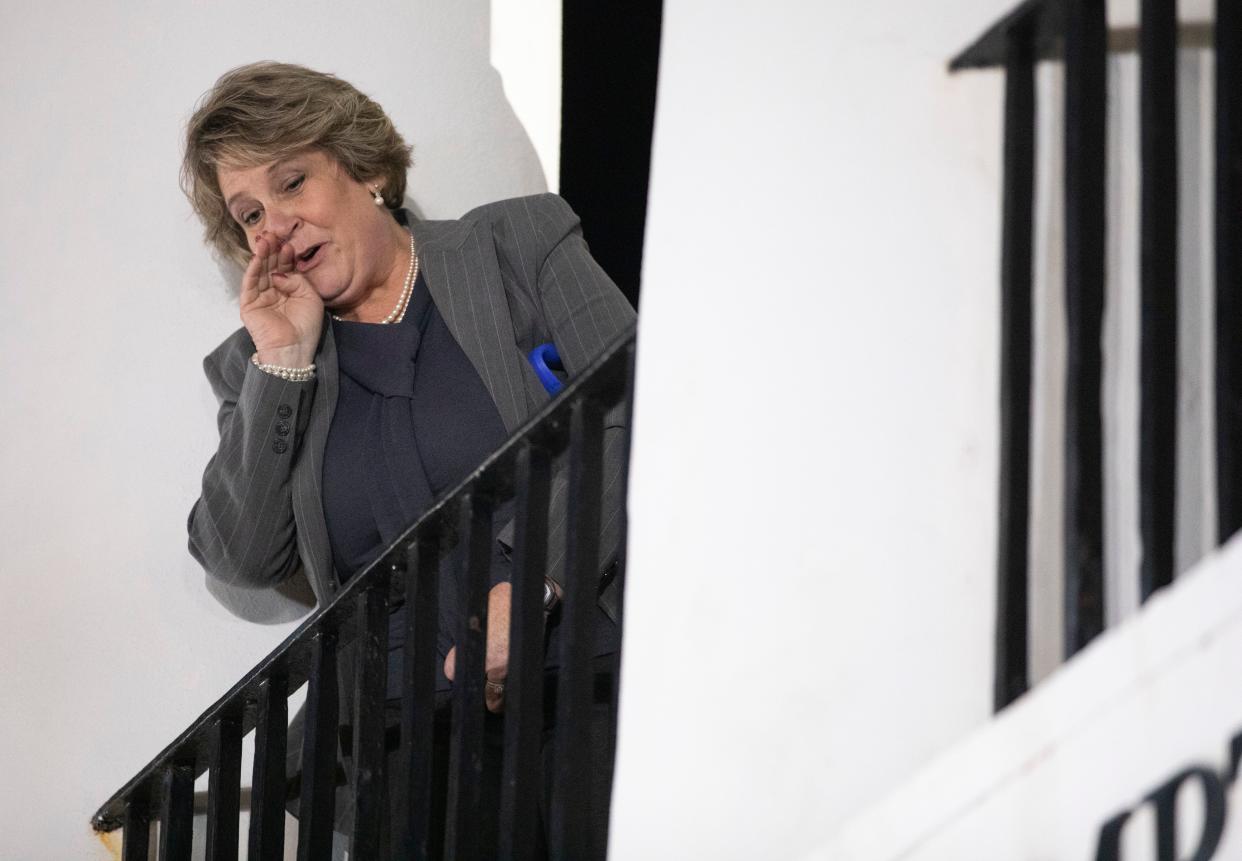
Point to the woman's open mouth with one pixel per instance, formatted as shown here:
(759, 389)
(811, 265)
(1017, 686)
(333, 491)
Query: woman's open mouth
(308, 258)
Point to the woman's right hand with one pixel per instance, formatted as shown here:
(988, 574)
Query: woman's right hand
(280, 310)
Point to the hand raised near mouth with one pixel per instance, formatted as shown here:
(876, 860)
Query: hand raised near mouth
(279, 308)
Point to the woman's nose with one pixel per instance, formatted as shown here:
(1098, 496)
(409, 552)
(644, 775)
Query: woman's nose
(282, 224)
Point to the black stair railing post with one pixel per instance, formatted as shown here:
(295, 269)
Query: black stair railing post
(412, 835)
(316, 806)
(224, 789)
(520, 779)
(1018, 205)
(177, 812)
(1085, 183)
(465, 778)
(370, 807)
(631, 358)
(570, 831)
(1158, 284)
(268, 779)
(1228, 270)
(136, 838)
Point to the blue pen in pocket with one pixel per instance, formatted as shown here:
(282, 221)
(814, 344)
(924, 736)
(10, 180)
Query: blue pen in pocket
(546, 362)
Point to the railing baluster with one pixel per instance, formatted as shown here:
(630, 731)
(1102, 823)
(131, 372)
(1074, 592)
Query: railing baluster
(224, 790)
(369, 797)
(1085, 178)
(177, 813)
(412, 835)
(520, 783)
(627, 406)
(465, 779)
(267, 793)
(1011, 672)
(1158, 279)
(317, 803)
(631, 361)
(136, 838)
(571, 806)
(1228, 267)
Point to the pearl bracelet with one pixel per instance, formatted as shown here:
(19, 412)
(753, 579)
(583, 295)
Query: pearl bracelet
(293, 375)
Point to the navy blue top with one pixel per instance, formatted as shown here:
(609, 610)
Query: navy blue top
(412, 419)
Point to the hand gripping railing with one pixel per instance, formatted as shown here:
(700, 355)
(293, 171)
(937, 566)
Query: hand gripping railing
(521, 470)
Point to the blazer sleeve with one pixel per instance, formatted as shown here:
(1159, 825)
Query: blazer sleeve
(585, 312)
(242, 528)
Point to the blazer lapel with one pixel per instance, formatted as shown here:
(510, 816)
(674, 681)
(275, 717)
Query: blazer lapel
(463, 276)
(307, 482)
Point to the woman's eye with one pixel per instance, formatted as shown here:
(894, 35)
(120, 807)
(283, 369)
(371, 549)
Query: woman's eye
(250, 217)
(295, 183)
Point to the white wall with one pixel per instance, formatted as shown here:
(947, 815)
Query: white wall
(809, 610)
(526, 51)
(109, 643)
(811, 595)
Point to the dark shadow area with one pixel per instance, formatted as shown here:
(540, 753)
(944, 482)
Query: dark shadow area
(610, 59)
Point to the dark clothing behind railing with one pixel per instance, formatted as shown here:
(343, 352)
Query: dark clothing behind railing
(355, 624)
(1075, 31)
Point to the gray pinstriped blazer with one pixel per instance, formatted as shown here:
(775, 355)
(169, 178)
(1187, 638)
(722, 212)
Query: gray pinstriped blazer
(506, 277)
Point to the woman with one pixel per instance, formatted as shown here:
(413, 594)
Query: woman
(381, 358)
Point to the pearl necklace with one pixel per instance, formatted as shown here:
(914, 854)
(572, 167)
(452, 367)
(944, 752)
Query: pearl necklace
(407, 290)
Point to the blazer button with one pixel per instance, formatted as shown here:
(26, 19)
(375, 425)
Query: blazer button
(282, 428)
(284, 411)
(280, 446)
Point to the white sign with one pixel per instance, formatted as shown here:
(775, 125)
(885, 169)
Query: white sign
(1129, 752)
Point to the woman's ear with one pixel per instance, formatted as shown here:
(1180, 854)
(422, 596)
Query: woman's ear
(375, 188)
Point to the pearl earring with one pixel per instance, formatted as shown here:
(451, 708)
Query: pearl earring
(377, 197)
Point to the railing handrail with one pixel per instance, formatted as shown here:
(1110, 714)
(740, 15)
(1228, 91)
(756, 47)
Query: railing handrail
(601, 380)
(1045, 20)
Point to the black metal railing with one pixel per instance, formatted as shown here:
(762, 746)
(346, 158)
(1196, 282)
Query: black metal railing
(1075, 31)
(355, 626)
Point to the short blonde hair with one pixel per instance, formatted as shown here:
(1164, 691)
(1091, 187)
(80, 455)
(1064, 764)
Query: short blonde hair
(266, 111)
